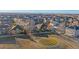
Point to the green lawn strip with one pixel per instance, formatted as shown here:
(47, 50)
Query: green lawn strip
(7, 38)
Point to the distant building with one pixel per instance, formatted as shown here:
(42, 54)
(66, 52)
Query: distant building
(4, 24)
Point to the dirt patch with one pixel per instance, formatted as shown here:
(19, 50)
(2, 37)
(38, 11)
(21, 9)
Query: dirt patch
(7, 46)
(41, 42)
(28, 44)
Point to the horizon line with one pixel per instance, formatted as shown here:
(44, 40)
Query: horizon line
(42, 11)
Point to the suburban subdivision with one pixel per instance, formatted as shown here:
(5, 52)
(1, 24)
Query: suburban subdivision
(39, 31)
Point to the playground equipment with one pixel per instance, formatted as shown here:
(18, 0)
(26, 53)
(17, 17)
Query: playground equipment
(24, 26)
(27, 27)
(44, 29)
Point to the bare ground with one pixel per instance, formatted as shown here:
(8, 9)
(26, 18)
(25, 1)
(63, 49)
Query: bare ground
(42, 42)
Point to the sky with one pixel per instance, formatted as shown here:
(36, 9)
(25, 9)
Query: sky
(43, 11)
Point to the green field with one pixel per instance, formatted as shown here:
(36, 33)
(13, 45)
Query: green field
(7, 38)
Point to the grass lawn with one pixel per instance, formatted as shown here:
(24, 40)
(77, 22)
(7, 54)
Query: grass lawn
(7, 38)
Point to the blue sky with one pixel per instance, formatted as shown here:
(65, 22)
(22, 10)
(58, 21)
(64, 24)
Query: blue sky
(43, 11)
